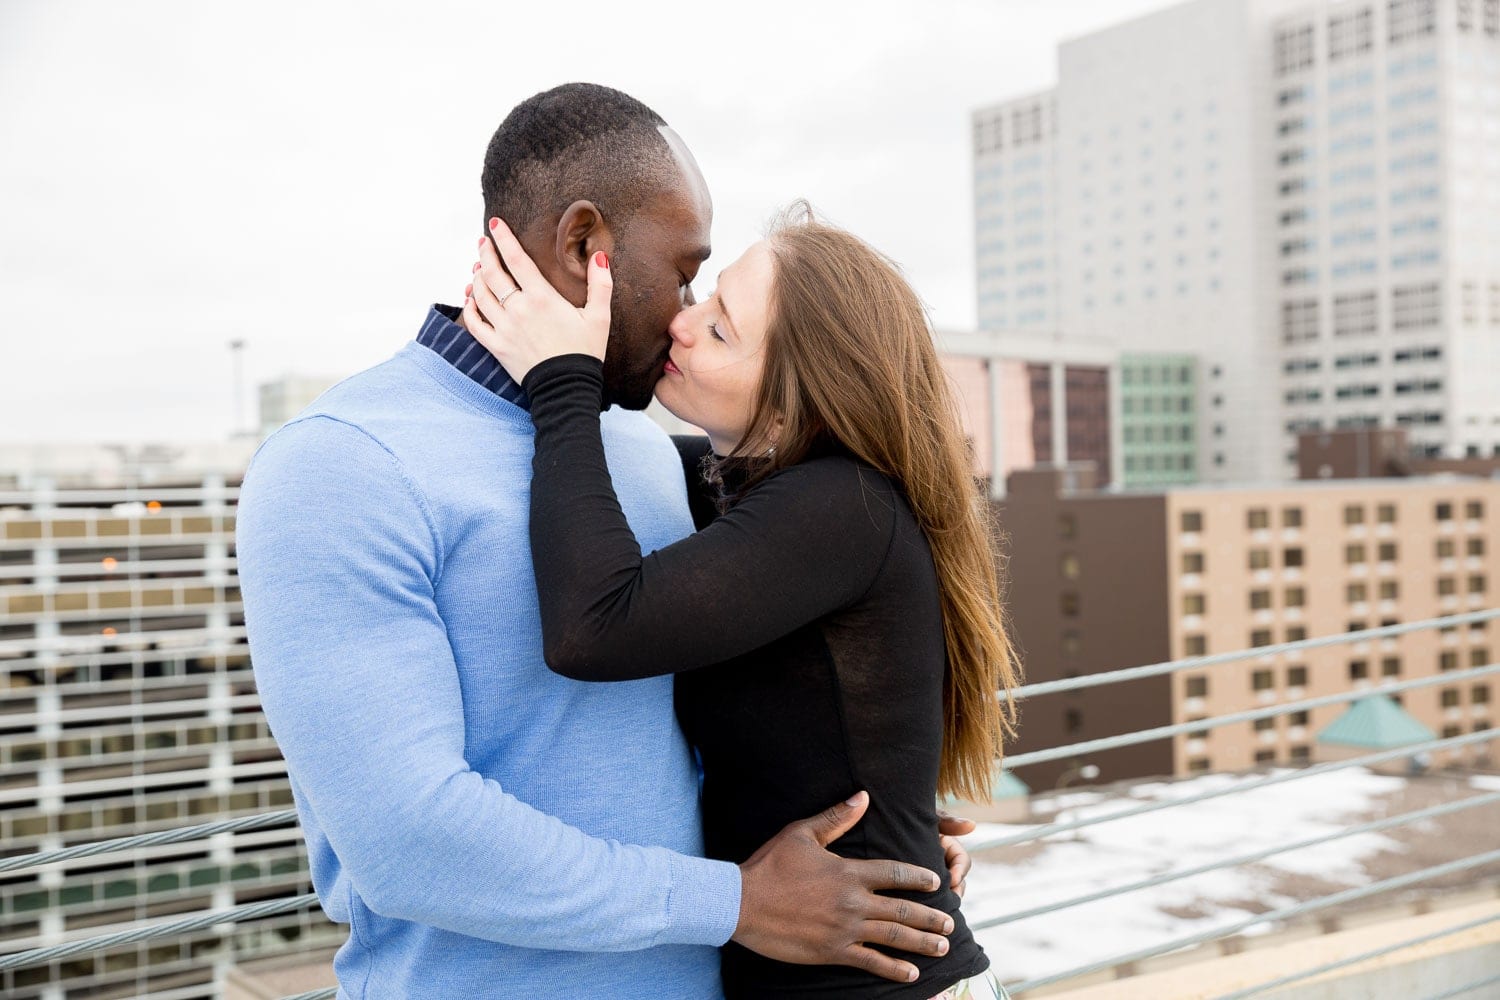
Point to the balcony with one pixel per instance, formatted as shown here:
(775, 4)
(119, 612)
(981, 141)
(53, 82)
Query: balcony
(1224, 885)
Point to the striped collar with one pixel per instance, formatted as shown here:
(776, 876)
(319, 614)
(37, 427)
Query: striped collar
(442, 335)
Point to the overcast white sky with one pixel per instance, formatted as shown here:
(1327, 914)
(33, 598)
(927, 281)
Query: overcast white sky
(305, 175)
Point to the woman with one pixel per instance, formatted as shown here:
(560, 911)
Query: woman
(835, 623)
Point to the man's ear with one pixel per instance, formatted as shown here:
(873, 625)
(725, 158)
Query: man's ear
(581, 232)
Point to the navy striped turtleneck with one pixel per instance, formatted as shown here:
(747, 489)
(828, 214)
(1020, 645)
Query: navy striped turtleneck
(442, 335)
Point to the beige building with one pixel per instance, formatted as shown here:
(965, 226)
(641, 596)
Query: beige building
(1102, 581)
(129, 707)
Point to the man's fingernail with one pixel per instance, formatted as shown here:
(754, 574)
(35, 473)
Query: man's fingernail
(942, 946)
(494, 224)
(911, 976)
(853, 800)
(601, 259)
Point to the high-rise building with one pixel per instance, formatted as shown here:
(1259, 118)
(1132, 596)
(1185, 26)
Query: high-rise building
(1104, 581)
(1386, 142)
(127, 706)
(1303, 195)
(283, 398)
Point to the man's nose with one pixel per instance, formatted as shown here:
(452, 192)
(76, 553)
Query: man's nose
(688, 298)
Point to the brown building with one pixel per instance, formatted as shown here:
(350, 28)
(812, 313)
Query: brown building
(1103, 581)
(1369, 452)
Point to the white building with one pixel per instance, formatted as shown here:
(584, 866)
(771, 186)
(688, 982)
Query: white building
(1387, 145)
(1242, 179)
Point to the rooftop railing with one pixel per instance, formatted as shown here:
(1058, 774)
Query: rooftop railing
(1483, 863)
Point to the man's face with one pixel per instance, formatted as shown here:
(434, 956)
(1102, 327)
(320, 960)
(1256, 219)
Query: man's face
(655, 260)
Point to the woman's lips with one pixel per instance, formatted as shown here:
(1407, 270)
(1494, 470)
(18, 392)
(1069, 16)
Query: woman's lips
(672, 369)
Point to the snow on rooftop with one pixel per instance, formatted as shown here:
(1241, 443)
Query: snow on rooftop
(1011, 879)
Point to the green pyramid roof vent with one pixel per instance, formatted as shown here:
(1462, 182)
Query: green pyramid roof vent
(1375, 723)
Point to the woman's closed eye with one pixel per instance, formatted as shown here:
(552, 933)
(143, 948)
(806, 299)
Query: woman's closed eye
(713, 330)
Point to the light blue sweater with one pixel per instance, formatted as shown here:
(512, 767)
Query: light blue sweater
(485, 827)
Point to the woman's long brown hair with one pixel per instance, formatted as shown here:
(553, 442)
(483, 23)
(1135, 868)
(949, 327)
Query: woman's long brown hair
(850, 357)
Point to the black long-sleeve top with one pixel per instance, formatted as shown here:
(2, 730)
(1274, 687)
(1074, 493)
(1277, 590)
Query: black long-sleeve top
(805, 630)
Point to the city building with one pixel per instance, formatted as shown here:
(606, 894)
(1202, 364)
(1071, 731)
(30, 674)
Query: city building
(1103, 581)
(283, 398)
(127, 706)
(1304, 196)
(1030, 398)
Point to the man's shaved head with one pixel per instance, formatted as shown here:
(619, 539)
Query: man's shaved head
(577, 141)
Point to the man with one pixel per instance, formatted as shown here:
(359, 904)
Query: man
(488, 828)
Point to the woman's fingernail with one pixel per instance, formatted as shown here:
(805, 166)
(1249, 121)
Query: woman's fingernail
(476, 268)
(494, 224)
(601, 259)
(480, 244)
(468, 291)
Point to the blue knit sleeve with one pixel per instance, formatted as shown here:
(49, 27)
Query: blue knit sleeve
(337, 558)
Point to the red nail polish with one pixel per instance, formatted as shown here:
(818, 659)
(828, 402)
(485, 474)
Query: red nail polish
(601, 259)
(476, 268)
(468, 291)
(480, 244)
(494, 224)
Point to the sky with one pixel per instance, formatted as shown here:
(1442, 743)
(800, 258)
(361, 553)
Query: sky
(179, 174)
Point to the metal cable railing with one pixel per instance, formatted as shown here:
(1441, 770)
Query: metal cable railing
(175, 928)
(254, 911)
(1260, 988)
(1404, 819)
(1285, 913)
(175, 836)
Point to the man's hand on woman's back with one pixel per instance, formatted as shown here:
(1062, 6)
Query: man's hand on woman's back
(801, 903)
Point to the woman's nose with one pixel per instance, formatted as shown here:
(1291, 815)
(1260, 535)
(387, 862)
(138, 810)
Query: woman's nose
(680, 329)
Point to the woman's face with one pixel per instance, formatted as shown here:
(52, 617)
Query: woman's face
(718, 353)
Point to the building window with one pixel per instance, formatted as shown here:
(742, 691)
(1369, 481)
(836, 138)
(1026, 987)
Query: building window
(1447, 586)
(1295, 633)
(1389, 590)
(1444, 548)
(1474, 547)
(1260, 600)
(1296, 677)
(1067, 527)
(1295, 597)
(1354, 593)
(1260, 558)
(1291, 517)
(1354, 514)
(1358, 626)
(1193, 604)
(1192, 521)
(1386, 513)
(1192, 562)
(1069, 566)
(1265, 725)
(1359, 670)
(1297, 719)
(1386, 552)
(1069, 603)
(1474, 510)
(1476, 583)
(1451, 731)
(1199, 765)
(1479, 657)
(1072, 720)
(1197, 686)
(1260, 637)
(1291, 558)
(1479, 694)
(1448, 661)
(1195, 645)
(1300, 755)
(1265, 756)
(1257, 518)
(1443, 511)
(1354, 553)
(1072, 642)
(1450, 697)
